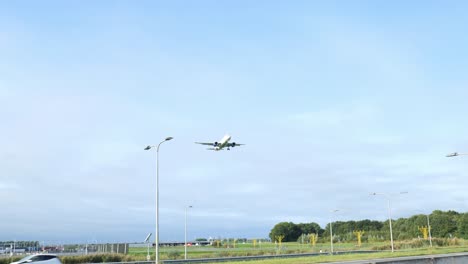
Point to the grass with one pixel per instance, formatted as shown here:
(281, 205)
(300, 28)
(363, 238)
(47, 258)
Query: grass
(337, 258)
(292, 248)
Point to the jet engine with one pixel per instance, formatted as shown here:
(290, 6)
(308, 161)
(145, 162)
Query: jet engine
(215, 144)
(233, 144)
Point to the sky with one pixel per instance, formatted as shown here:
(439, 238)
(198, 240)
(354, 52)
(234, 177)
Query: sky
(334, 100)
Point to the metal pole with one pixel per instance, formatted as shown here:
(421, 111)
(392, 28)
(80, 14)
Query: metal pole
(429, 228)
(185, 234)
(148, 255)
(157, 205)
(331, 231)
(157, 197)
(185, 243)
(331, 237)
(390, 222)
(389, 214)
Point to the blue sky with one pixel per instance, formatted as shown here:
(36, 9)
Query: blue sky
(334, 100)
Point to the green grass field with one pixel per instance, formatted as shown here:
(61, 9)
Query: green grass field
(337, 258)
(291, 248)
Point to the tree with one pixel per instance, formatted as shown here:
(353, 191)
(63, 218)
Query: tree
(400, 228)
(308, 228)
(369, 225)
(289, 230)
(443, 224)
(462, 226)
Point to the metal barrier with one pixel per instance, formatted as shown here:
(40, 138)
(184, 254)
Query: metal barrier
(454, 258)
(246, 258)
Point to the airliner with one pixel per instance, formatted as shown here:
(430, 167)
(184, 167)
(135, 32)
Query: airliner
(456, 154)
(223, 143)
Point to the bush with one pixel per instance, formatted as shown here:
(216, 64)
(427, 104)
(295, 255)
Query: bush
(173, 254)
(96, 258)
(444, 242)
(217, 244)
(9, 260)
(420, 243)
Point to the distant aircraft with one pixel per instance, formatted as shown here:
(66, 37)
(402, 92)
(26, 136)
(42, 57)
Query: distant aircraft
(452, 154)
(223, 143)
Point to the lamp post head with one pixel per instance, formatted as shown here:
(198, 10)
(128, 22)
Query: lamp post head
(168, 138)
(147, 148)
(148, 237)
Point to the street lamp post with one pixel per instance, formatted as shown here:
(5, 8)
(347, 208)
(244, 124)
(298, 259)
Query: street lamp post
(389, 214)
(157, 196)
(185, 231)
(428, 226)
(148, 258)
(331, 232)
(429, 229)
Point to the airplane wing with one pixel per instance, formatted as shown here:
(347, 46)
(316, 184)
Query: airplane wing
(204, 143)
(233, 144)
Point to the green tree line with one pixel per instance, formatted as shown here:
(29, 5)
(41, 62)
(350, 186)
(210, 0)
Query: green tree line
(444, 224)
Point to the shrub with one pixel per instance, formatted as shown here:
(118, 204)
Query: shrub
(96, 258)
(224, 254)
(9, 260)
(420, 243)
(443, 242)
(173, 254)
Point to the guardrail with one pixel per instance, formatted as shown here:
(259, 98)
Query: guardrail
(246, 258)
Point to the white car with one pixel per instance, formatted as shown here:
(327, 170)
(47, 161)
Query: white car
(39, 259)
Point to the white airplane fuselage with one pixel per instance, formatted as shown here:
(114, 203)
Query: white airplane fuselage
(222, 143)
